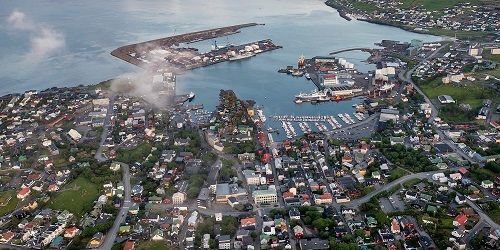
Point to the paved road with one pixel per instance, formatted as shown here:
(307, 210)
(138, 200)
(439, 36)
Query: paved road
(111, 235)
(357, 202)
(107, 121)
(406, 76)
(483, 215)
(8, 246)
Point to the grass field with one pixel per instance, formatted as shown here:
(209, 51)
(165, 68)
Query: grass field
(75, 200)
(4, 196)
(146, 245)
(472, 94)
(487, 55)
(495, 73)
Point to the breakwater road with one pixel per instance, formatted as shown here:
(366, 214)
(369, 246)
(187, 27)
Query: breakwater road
(125, 51)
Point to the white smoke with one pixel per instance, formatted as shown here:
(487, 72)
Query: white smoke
(140, 84)
(44, 40)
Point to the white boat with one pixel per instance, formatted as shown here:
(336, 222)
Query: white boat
(386, 87)
(241, 56)
(191, 95)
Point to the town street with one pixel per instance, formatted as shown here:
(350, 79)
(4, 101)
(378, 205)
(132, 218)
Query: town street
(111, 235)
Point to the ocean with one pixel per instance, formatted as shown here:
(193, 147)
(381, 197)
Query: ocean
(55, 43)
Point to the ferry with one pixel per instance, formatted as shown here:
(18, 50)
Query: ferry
(315, 95)
(191, 95)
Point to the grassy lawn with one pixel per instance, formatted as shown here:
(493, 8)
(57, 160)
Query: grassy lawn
(495, 73)
(146, 245)
(363, 6)
(75, 200)
(429, 4)
(411, 182)
(447, 223)
(472, 94)
(487, 55)
(494, 215)
(4, 196)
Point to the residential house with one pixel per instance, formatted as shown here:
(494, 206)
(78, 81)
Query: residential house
(460, 220)
(314, 244)
(395, 228)
(487, 184)
(24, 193)
(157, 235)
(71, 232)
(294, 213)
(96, 240)
(248, 222)
(410, 195)
(224, 242)
(129, 245)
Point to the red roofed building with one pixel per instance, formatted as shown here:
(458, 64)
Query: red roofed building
(35, 177)
(23, 193)
(288, 195)
(494, 124)
(129, 245)
(53, 188)
(364, 149)
(6, 237)
(395, 228)
(463, 171)
(346, 159)
(323, 199)
(460, 220)
(248, 222)
(70, 232)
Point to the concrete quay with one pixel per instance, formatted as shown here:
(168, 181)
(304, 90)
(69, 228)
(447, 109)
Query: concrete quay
(125, 51)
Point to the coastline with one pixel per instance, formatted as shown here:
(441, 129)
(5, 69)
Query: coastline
(340, 9)
(342, 13)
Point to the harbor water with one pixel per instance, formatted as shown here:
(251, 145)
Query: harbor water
(87, 31)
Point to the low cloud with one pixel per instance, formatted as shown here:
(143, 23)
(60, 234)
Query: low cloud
(44, 40)
(18, 20)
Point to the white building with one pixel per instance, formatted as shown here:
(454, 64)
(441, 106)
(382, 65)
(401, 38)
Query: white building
(445, 99)
(178, 198)
(265, 196)
(251, 177)
(74, 135)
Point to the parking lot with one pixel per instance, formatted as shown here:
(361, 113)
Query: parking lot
(393, 203)
(398, 203)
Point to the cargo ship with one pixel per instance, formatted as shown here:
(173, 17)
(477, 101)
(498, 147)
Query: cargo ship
(241, 56)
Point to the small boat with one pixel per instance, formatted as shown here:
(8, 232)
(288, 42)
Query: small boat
(191, 95)
(297, 73)
(308, 77)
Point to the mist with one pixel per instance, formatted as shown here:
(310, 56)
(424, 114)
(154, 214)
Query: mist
(140, 83)
(44, 41)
